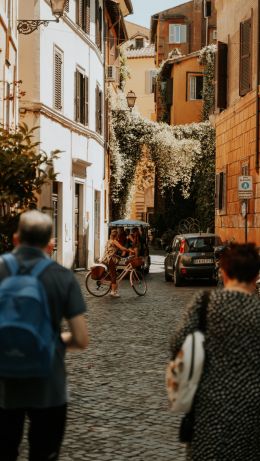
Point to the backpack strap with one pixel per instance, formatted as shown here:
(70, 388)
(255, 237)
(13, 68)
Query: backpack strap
(11, 262)
(41, 266)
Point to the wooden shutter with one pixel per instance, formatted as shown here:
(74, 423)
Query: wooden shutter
(148, 83)
(87, 16)
(79, 12)
(58, 68)
(86, 101)
(100, 22)
(82, 98)
(222, 75)
(245, 79)
(97, 21)
(100, 112)
(77, 96)
(97, 110)
(169, 91)
(220, 193)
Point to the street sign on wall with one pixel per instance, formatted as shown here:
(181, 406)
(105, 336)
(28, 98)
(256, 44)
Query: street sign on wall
(245, 187)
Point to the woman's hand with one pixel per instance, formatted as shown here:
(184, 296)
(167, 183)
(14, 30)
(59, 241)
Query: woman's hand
(131, 251)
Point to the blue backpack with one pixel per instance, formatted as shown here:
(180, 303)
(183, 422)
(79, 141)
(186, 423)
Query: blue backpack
(27, 339)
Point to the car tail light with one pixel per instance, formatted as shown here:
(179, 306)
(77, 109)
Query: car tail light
(184, 271)
(182, 246)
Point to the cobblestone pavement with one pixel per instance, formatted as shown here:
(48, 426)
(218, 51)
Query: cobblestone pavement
(118, 408)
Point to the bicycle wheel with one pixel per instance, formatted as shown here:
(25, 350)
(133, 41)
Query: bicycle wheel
(138, 282)
(97, 288)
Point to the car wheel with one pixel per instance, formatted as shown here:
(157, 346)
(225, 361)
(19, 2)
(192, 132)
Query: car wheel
(177, 279)
(168, 278)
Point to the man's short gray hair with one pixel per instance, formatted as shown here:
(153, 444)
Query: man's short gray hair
(35, 228)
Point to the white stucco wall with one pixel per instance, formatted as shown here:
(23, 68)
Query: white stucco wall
(58, 130)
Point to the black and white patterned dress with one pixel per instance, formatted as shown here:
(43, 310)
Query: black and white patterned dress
(227, 403)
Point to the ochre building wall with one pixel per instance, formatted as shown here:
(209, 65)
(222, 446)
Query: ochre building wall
(183, 109)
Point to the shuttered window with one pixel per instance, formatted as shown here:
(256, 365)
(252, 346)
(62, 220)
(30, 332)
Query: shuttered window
(196, 87)
(177, 33)
(220, 192)
(67, 6)
(81, 98)
(99, 110)
(83, 15)
(58, 80)
(169, 92)
(245, 80)
(222, 75)
(150, 80)
(99, 22)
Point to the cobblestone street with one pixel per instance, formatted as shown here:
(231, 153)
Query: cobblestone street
(119, 410)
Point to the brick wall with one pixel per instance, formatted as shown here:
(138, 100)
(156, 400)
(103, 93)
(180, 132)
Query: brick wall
(236, 141)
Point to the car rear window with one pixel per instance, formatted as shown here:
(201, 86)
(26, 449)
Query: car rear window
(204, 244)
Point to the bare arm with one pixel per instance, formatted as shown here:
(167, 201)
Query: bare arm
(77, 338)
(118, 245)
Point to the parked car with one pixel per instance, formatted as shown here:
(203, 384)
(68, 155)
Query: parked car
(191, 256)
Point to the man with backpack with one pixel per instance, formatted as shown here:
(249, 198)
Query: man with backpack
(36, 293)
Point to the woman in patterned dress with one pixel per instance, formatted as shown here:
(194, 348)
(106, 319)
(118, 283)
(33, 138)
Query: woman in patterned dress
(227, 403)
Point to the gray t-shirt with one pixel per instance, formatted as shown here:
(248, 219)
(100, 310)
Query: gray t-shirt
(65, 301)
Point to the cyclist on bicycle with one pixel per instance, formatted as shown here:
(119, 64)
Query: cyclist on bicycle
(111, 258)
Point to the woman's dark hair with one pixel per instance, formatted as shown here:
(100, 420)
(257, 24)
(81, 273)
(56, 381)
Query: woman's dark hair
(241, 262)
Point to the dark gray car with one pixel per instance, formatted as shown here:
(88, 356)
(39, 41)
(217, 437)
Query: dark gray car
(191, 256)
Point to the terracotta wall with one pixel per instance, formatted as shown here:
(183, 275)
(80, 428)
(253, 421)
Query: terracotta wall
(236, 127)
(192, 14)
(236, 136)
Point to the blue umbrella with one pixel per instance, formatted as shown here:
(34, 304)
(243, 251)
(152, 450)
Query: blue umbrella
(128, 223)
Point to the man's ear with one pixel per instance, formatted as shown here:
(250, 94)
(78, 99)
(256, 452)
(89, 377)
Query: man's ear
(16, 240)
(49, 248)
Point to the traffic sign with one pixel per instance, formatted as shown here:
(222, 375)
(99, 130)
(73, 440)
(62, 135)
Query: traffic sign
(245, 187)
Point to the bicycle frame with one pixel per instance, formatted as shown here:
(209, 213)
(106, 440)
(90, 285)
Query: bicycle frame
(136, 280)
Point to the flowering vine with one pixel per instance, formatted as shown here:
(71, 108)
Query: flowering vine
(178, 153)
(207, 58)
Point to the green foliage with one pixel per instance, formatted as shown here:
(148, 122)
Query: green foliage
(207, 58)
(24, 169)
(124, 72)
(180, 154)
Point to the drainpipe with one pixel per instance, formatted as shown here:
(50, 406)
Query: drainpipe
(257, 89)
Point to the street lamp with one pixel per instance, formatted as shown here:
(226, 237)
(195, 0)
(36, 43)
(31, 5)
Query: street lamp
(131, 98)
(27, 26)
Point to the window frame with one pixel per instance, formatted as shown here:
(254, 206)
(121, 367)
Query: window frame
(172, 34)
(190, 76)
(81, 97)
